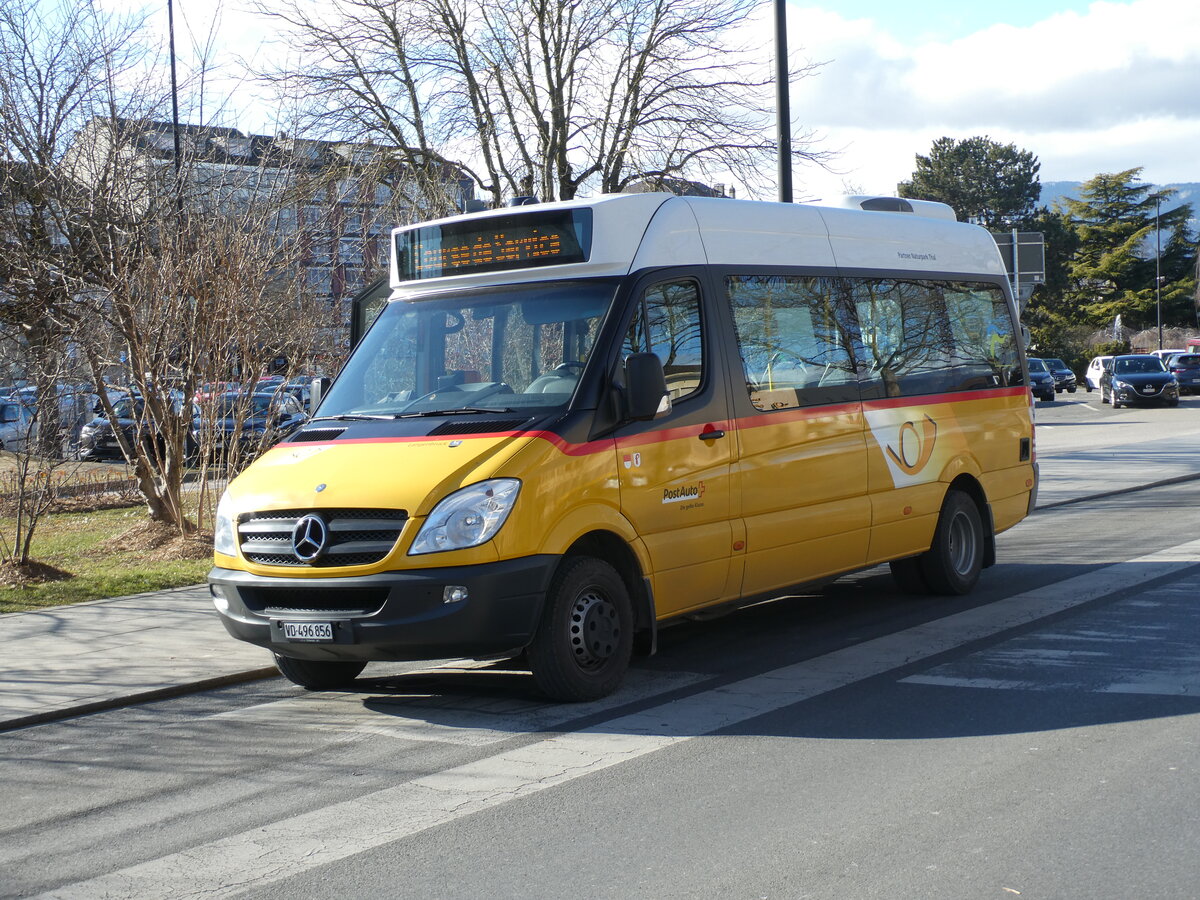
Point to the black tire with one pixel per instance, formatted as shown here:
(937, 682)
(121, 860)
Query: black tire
(318, 674)
(1071, 389)
(583, 645)
(952, 564)
(909, 577)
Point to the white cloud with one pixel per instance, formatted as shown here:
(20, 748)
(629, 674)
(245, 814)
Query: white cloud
(1106, 90)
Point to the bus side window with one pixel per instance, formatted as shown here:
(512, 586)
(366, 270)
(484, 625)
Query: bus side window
(795, 349)
(929, 337)
(667, 323)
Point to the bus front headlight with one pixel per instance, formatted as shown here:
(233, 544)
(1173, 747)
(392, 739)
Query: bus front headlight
(468, 517)
(224, 531)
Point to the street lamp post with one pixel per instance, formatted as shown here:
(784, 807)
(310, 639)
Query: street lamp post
(175, 114)
(1157, 267)
(783, 111)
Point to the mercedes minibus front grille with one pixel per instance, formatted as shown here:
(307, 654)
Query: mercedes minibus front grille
(353, 537)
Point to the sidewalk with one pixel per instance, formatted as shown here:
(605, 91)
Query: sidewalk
(91, 656)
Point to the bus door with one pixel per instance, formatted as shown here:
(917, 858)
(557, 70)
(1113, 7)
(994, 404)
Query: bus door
(802, 463)
(675, 471)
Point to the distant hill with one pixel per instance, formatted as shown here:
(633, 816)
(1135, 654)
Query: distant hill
(1056, 191)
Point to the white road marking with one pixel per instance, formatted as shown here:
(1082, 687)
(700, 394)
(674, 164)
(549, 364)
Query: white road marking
(278, 850)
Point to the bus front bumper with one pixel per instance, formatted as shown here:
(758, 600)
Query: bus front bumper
(473, 611)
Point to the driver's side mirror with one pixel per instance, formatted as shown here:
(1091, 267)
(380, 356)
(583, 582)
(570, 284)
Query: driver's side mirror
(646, 395)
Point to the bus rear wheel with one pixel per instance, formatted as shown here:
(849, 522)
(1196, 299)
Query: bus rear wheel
(952, 564)
(318, 674)
(583, 645)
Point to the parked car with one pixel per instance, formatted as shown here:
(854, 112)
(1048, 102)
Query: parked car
(97, 439)
(210, 390)
(1138, 379)
(1186, 369)
(16, 425)
(252, 420)
(1064, 378)
(1041, 381)
(1095, 369)
(1167, 354)
(300, 388)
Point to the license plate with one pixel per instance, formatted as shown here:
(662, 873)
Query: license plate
(307, 631)
(1147, 390)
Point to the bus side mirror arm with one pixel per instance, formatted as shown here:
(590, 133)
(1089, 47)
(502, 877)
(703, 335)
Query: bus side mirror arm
(646, 395)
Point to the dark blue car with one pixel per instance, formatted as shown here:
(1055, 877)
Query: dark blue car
(1137, 380)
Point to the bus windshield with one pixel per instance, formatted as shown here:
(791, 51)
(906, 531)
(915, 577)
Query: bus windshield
(509, 349)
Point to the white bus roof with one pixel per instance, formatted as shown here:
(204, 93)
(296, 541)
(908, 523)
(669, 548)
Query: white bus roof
(638, 231)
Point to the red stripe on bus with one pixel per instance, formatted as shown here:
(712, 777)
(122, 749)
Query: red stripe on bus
(761, 420)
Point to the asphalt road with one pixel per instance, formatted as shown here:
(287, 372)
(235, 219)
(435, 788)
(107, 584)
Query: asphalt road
(1039, 738)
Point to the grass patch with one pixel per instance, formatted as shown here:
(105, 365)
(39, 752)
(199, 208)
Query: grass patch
(102, 553)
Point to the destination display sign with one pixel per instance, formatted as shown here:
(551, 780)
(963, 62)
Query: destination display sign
(494, 243)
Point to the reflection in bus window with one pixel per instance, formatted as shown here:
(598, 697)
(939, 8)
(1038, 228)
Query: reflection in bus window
(667, 324)
(794, 346)
(928, 337)
(512, 348)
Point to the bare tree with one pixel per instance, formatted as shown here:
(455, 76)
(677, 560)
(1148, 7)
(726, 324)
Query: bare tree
(539, 95)
(201, 286)
(59, 63)
(29, 481)
(165, 267)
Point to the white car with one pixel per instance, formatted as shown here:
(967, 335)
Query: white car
(1095, 369)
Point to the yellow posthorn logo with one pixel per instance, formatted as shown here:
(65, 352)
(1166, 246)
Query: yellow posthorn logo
(913, 448)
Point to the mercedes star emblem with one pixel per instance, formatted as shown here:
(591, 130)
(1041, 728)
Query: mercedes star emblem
(310, 537)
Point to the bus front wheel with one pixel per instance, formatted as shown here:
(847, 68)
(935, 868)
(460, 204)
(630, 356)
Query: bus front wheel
(583, 645)
(952, 564)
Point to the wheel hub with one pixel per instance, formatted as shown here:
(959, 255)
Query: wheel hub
(962, 544)
(595, 629)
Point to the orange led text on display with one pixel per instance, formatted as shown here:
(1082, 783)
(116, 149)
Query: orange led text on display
(485, 250)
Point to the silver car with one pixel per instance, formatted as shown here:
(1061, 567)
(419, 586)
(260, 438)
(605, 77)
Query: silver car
(16, 425)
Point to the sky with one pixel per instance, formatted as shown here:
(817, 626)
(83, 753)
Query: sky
(1087, 87)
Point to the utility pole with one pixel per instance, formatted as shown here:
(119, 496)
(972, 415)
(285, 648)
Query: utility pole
(783, 111)
(175, 115)
(1157, 266)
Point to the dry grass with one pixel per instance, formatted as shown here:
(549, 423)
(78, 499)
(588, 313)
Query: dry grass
(91, 554)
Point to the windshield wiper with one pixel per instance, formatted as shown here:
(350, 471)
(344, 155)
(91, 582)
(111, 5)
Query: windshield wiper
(356, 417)
(455, 411)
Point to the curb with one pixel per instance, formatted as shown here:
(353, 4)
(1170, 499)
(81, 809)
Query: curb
(1132, 489)
(177, 690)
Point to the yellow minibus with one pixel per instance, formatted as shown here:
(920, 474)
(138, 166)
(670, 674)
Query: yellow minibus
(573, 422)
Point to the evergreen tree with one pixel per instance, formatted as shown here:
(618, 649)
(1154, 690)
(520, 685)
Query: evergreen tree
(983, 180)
(1113, 269)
